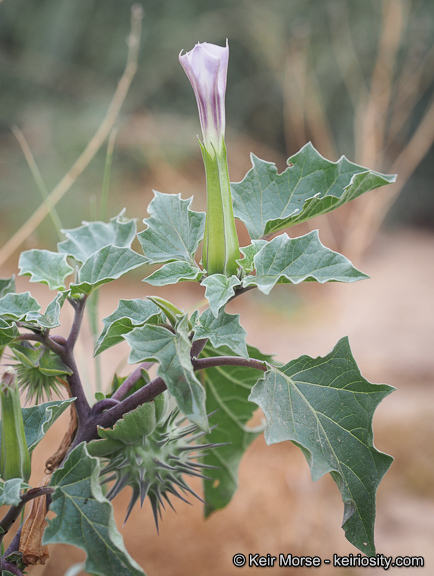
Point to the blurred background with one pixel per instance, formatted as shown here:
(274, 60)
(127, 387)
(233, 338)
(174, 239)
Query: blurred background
(355, 78)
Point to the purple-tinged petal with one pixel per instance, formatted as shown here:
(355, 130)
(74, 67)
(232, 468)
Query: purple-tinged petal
(206, 66)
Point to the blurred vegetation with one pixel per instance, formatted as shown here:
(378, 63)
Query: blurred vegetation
(299, 70)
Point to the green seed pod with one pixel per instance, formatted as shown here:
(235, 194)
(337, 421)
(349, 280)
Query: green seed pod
(15, 457)
(155, 465)
(161, 406)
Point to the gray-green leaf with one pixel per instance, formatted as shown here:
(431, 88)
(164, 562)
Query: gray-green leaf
(173, 230)
(128, 315)
(51, 318)
(325, 406)
(38, 419)
(249, 252)
(85, 517)
(89, 238)
(109, 263)
(7, 285)
(8, 332)
(225, 330)
(294, 260)
(10, 491)
(219, 290)
(45, 266)
(172, 351)
(17, 306)
(227, 391)
(268, 202)
(175, 272)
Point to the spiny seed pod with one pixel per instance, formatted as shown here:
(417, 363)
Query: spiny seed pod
(154, 464)
(15, 457)
(38, 371)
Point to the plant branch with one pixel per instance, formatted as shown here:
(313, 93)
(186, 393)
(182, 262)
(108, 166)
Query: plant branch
(78, 306)
(197, 347)
(14, 511)
(132, 379)
(146, 394)
(76, 388)
(202, 363)
(92, 147)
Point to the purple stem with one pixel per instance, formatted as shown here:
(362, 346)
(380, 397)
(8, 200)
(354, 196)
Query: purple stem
(78, 306)
(14, 511)
(150, 391)
(132, 379)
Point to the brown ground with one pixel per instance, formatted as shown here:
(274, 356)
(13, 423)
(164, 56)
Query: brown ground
(278, 509)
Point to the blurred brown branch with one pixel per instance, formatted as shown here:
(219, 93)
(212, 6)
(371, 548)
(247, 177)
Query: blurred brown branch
(384, 106)
(92, 147)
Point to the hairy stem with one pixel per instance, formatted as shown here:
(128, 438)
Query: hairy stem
(109, 417)
(78, 306)
(202, 363)
(132, 379)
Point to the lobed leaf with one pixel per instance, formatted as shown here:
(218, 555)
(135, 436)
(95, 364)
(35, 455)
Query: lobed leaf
(225, 330)
(109, 263)
(7, 285)
(38, 419)
(128, 315)
(51, 318)
(15, 306)
(227, 390)
(325, 406)
(249, 252)
(44, 266)
(219, 289)
(85, 517)
(268, 202)
(172, 351)
(89, 238)
(175, 272)
(8, 333)
(10, 491)
(173, 231)
(293, 260)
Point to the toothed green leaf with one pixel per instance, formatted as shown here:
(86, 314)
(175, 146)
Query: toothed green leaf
(8, 333)
(172, 351)
(84, 517)
(89, 238)
(51, 318)
(175, 272)
(249, 252)
(173, 230)
(325, 406)
(294, 260)
(268, 202)
(219, 289)
(44, 266)
(128, 315)
(7, 285)
(10, 491)
(225, 330)
(227, 391)
(17, 306)
(109, 263)
(38, 419)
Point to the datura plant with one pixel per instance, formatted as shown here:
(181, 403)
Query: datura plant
(150, 434)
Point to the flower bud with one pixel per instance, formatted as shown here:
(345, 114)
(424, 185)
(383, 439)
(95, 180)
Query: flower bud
(14, 454)
(206, 67)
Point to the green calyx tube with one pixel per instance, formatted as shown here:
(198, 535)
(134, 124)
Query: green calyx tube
(220, 246)
(14, 454)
